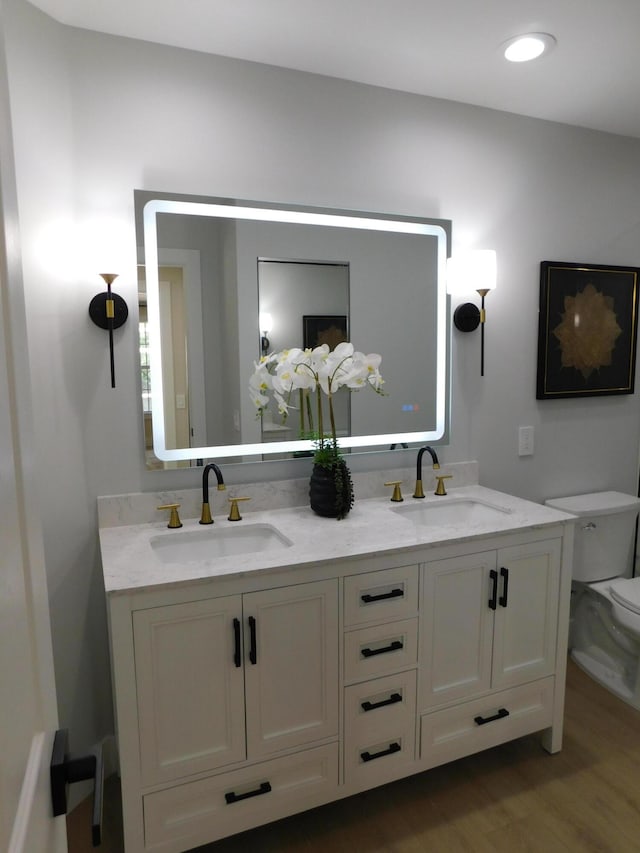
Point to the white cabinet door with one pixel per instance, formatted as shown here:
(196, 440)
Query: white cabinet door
(291, 666)
(190, 687)
(526, 619)
(458, 627)
(490, 621)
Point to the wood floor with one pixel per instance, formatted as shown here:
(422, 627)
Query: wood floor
(509, 799)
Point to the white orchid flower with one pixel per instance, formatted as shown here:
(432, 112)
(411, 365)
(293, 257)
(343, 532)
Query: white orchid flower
(283, 406)
(365, 371)
(259, 401)
(281, 373)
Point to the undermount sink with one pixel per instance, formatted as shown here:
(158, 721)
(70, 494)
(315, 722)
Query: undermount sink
(213, 542)
(458, 511)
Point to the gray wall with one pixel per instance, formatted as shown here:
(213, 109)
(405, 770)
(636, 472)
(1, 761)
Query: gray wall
(97, 116)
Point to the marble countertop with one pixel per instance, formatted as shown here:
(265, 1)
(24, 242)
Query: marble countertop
(371, 528)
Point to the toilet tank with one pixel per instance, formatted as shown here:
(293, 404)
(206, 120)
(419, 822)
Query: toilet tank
(605, 533)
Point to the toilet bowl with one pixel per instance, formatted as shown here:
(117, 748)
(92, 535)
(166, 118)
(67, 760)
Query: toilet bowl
(604, 635)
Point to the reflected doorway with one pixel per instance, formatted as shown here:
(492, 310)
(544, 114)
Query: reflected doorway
(173, 324)
(308, 302)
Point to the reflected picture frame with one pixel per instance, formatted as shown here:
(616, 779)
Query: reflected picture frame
(587, 330)
(331, 329)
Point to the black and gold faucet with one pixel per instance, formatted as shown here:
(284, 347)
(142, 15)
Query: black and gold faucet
(205, 516)
(419, 491)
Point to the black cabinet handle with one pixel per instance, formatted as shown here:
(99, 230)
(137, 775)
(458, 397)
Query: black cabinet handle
(393, 647)
(236, 639)
(392, 700)
(493, 601)
(232, 797)
(502, 713)
(253, 651)
(371, 756)
(395, 593)
(504, 574)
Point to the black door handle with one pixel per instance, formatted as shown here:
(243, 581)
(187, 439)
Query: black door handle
(236, 639)
(392, 647)
(392, 700)
(395, 593)
(371, 756)
(493, 600)
(232, 797)
(253, 651)
(502, 713)
(504, 574)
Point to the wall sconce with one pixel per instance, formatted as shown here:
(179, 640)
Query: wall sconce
(477, 270)
(266, 324)
(109, 311)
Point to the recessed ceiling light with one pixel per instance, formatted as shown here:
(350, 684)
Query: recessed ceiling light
(529, 46)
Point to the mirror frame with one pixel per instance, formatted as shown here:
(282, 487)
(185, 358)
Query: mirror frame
(290, 214)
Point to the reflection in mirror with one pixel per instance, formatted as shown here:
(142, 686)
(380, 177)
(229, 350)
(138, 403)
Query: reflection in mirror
(308, 303)
(377, 280)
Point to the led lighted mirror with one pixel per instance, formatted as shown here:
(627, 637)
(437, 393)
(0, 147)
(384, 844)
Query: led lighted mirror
(212, 268)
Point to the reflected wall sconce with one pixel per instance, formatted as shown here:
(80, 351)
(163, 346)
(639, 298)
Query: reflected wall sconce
(266, 324)
(109, 311)
(472, 270)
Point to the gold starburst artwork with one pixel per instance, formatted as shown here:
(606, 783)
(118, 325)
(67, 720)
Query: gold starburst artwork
(588, 331)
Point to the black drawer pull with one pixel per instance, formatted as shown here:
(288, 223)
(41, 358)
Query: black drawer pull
(232, 797)
(502, 713)
(395, 593)
(253, 650)
(236, 639)
(369, 653)
(371, 706)
(504, 574)
(493, 601)
(368, 756)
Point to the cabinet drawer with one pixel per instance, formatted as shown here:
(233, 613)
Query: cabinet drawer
(212, 808)
(370, 652)
(454, 732)
(388, 594)
(379, 728)
(379, 714)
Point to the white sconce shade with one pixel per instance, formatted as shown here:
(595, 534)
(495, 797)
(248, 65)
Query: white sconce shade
(475, 270)
(266, 322)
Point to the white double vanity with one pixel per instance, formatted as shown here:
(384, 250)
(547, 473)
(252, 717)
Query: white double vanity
(271, 665)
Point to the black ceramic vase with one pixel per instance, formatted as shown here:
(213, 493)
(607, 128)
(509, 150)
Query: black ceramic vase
(331, 490)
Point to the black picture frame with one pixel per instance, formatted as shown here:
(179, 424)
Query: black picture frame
(587, 330)
(320, 329)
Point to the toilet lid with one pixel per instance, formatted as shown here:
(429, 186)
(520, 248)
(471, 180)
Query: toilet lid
(627, 593)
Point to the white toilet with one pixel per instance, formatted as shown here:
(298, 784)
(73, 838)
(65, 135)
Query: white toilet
(604, 637)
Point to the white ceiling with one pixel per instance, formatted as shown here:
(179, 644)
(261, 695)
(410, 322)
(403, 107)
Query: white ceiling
(445, 49)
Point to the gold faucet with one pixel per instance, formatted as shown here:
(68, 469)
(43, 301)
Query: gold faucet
(397, 494)
(174, 518)
(205, 516)
(419, 491)
(234, 512)
(440, 489)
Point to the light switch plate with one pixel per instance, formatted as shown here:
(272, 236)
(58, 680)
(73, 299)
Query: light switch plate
(525, 441)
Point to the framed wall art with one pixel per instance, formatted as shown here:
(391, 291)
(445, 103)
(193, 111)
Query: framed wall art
(320, 329)
(587, 330)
